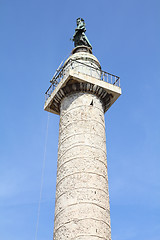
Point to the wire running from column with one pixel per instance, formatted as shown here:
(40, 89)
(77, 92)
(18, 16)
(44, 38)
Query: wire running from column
(42, 177)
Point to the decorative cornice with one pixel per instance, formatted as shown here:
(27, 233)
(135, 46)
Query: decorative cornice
(81, 87)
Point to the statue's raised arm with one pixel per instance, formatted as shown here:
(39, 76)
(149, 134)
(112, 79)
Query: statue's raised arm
(79, 37)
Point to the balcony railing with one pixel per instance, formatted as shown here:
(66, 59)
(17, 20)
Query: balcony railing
(62, 71)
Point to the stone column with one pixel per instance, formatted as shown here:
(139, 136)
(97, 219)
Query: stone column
(82, 209)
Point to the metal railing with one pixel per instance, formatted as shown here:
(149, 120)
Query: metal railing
(62, 71)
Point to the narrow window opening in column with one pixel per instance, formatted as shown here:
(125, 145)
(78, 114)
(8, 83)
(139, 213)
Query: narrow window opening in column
(91, 103)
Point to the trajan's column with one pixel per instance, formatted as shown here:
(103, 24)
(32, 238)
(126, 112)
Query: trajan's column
(81, 93)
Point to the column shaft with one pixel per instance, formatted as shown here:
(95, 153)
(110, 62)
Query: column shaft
(82, 209)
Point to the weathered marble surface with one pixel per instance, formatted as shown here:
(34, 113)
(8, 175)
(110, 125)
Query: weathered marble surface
(82, 201)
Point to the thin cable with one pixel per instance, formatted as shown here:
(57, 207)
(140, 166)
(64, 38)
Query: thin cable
(42, 177)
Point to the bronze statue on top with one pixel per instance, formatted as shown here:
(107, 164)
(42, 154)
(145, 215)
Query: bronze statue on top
(79, 37)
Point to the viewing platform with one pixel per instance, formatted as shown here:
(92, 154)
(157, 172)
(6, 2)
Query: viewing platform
(80, 76)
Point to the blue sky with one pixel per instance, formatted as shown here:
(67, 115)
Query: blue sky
(35, 37)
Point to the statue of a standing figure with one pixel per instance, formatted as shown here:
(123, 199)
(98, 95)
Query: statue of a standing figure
(79, 37)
